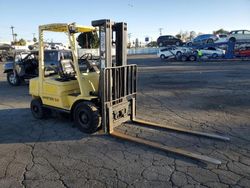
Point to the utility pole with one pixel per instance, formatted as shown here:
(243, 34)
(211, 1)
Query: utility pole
(15, 35)
(12, 32)
(160, 30)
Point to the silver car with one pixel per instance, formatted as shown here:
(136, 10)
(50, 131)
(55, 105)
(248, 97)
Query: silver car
(239, 36)
(203, 39)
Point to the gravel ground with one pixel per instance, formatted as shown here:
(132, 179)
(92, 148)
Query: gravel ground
(209, 96)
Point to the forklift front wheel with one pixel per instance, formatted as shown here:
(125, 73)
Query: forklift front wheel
(86, 117)
(37, 109)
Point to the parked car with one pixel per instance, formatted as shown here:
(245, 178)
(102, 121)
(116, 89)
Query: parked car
(203, 39)
(171, 52)
(243, 52)
(221, 38)
(239, 35)
(166, 40)
(25, 66)
(57, 46)
(212, 52)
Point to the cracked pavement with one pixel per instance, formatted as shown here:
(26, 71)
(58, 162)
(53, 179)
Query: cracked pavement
(210, 97)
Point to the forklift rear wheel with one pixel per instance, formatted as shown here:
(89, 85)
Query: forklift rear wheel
(37, 108)
(86, 117)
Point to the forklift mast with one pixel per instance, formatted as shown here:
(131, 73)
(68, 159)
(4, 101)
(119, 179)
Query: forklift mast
(117, 88)
(107, 30)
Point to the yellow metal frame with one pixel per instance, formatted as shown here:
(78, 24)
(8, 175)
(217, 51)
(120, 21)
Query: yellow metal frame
(62, 27)
(54, 93)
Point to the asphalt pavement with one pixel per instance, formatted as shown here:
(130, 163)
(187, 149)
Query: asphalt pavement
(210, 97)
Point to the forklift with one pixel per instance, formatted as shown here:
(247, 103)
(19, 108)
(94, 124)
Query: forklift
(101, 96)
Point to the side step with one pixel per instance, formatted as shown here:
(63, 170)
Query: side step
(166, 148)
(185, 131)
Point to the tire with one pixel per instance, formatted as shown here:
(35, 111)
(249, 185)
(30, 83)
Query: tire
(210, 41)
(232, 39)
(183, 58)
(3, 59)
(177, 43)
(162, 57)
(37, 109)
(190, 44)
(13, 79)
(160, 44)
(178, 54)
(214, 55)
(86, 117)
(192, 58)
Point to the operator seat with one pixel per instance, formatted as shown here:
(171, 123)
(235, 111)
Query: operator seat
(66, 70)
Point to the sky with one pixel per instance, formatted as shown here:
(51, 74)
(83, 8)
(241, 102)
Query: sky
(144, 17)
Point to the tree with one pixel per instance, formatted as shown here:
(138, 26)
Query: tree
(178, 36)
(184, 35)
(192, 35)
(88, 40)
(220, 31)
(21, 42)
(152, 44)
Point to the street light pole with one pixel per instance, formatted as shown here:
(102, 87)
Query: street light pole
(12, 32)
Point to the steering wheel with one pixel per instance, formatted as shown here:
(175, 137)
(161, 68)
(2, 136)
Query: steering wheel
(86, 56)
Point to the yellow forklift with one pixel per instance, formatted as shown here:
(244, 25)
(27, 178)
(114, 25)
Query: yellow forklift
(97, 96)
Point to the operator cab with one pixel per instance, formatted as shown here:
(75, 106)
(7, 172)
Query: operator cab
(64, 69)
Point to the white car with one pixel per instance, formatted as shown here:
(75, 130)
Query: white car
(172, 52)
(212, 52)
(239, 35)
(221, 38)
